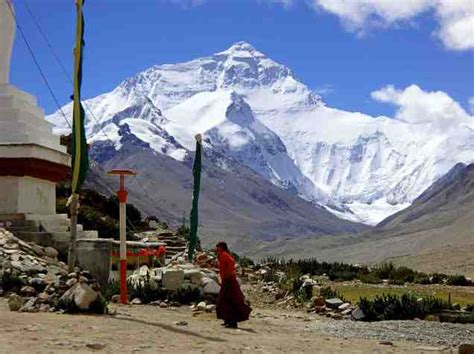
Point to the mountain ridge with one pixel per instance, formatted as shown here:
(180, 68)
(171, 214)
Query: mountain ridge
(361, 168)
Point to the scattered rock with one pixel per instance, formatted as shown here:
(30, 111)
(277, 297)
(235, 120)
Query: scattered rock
(358, 314)
(211, 308)
(29, 306)
(96, 346)
(334, 303)
(28, 290)
(181, 323)
(51, 252)
(201, 306)
(115, 298)
(385, 342)
(346, 312)
(15, 302)
(344, 306)
(136, 301)
(81, 294)
(71, 282)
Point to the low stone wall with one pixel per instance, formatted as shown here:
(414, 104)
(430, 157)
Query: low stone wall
(95, 255)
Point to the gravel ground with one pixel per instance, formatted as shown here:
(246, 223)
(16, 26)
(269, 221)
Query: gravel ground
(433, 333)
(149, 329)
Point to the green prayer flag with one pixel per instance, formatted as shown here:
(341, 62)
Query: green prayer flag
(193, 237)
(80, 158)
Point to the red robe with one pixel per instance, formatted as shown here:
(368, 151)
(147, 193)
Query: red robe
(231, 306)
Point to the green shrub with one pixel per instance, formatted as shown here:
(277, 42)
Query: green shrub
(111, 289)
(10, 281)
(384, 271)
(405, 307)
(330, 293)
(437, 278)
(145, 291)
(396, 282)
(422, 279)
(369, 279)
(459, 280)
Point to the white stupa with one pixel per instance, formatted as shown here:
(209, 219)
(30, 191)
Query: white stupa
(32, 160)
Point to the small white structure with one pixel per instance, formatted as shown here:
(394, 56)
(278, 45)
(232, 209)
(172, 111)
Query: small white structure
(31, 157)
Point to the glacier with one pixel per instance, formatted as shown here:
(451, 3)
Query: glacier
(258, 112)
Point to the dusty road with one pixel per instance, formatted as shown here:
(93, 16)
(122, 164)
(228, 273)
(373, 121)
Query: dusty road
(148, 329)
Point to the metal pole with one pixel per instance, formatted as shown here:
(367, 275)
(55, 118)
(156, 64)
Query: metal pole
(72, 241)
(122, 196)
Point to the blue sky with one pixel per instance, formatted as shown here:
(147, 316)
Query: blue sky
(124, 37)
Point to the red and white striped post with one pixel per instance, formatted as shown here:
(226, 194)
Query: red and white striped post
(122, 197)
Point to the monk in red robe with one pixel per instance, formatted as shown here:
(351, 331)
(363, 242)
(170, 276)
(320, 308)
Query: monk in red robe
(231, 306)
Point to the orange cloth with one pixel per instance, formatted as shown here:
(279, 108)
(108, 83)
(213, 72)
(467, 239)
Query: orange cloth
(226, 265)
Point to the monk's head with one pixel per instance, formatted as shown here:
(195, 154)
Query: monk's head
(222, 247)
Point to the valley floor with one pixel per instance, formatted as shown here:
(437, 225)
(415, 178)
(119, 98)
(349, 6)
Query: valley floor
(148, 329)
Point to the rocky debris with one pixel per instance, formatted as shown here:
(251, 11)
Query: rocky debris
(51, 252)
(201, 306)
(136, 301)
(211, 308)
(82, 295)
(15, 302)
(178, 277)
(35, 280)
(333, 303)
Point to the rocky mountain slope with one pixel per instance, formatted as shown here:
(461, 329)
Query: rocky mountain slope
(236, 204)
(436, 233)
(257, 112)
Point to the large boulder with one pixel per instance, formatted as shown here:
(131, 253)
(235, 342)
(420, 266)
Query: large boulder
(210, 286)
(172, 278)
(334, 303)
(82, 295)
(51, 252)
(194, 276)
(358, 314)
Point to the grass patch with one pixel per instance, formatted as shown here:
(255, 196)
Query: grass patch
(353, 292)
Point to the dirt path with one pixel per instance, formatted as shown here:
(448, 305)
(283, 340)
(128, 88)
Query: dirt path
(148, 329)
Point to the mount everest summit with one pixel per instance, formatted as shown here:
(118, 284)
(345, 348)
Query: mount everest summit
(255, 111)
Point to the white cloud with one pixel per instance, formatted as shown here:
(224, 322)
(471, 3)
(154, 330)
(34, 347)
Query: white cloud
(360, 15)
(324, 90)
(418, 106)
(455, 17)
(470, 103)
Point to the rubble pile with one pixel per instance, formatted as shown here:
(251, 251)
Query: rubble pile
(34, 280)
(175, 244)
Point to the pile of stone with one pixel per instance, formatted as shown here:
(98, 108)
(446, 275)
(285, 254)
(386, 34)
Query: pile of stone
(34, 280)
(333, 308)
(175, 244)
(175, 277)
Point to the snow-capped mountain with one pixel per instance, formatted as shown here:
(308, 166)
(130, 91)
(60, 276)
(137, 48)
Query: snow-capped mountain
(256, 111)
